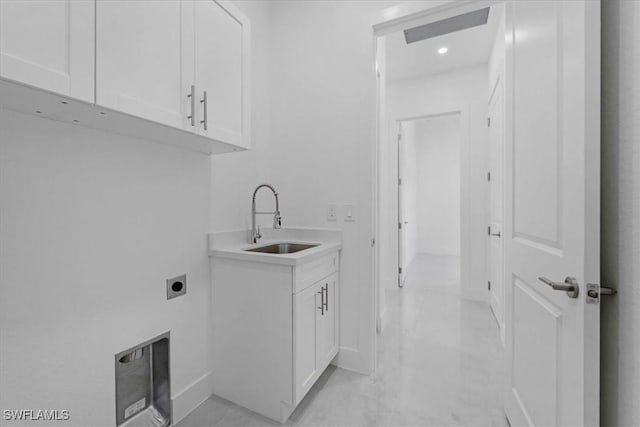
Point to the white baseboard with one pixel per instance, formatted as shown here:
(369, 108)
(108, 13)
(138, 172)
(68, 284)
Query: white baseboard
(191, 397)
(351, 359)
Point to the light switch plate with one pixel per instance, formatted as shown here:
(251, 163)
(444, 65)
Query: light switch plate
(349, 212)
(332, 212)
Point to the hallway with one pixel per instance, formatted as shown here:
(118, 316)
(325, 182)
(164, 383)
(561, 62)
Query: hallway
(439, 364)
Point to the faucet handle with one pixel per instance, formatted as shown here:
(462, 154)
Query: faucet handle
(258, 234)
(277, 220)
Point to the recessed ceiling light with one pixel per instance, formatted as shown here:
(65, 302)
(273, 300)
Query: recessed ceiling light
(443, 50)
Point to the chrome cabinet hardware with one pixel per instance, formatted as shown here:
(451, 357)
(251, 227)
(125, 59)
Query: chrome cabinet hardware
(325, 292)
(570, 286)
(321, 308)
(204, 101)
(192, 95)
(594, 291)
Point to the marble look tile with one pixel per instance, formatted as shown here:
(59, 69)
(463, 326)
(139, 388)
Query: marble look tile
(439, 364)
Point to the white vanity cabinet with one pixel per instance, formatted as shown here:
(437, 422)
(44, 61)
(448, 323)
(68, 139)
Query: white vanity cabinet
(275, 329)
(49, 44)
(315, 335)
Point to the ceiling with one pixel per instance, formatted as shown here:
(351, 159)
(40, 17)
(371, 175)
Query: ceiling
(466, 48)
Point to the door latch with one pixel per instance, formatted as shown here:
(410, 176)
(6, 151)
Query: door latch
(594, 291)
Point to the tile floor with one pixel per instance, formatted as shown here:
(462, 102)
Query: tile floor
(439, 364)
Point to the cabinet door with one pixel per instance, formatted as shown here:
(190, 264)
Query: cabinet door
(306, 314)
(145, 58)
(222, 72)
(49, 44)
(327, 342)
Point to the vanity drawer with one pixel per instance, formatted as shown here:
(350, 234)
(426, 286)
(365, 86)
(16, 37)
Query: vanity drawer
(307, 274)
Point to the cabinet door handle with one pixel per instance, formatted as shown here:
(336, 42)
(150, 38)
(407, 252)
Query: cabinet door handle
(192, 95)
(325, 292)
(321, 308)
(204, 101)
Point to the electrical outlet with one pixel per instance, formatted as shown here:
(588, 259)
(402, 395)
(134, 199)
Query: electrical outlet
(176, 286)
(332, 212)
(349, 212)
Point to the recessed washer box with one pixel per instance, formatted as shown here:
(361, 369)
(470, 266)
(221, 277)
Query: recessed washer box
(143, 386)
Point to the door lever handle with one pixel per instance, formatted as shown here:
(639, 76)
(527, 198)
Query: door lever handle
(570, 286)
(493, 234)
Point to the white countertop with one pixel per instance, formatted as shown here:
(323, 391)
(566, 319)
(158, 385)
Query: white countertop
(239, 252)
(232, 245)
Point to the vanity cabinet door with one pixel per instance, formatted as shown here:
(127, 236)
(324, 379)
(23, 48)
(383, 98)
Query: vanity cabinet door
(49, 44)
(222, 42)
(144, 63)
(307, 313)
(327, 334)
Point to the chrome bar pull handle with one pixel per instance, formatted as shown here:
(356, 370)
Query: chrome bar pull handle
(204, 101)
(192, 95)
(570, 286)
(321, 308)
(325, 292)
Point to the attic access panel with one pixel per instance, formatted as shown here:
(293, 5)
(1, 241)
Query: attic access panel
(446, 26)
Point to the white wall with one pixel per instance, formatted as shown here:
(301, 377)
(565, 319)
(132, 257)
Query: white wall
(462, 90)
(620, 231)
(91, 225)
(322, 133)
(438, 185)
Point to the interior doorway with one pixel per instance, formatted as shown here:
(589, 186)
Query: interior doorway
(549, 56)
(434, 206)
(429, 191)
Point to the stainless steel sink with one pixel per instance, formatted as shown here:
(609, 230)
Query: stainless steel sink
(282, 248)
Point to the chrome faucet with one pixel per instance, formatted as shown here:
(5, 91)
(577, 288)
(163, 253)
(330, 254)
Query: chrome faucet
(277, 219)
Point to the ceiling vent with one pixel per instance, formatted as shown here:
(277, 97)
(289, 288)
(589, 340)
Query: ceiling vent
(446, 26)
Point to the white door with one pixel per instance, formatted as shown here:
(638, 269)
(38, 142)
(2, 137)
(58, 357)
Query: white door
(327, 333)
(49, 44)
(144, 59)
(221, 71)
(307, 306)
(552, 212)
(495, 181)
(402, 274)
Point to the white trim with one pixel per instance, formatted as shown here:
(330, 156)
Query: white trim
(352, 359)
(190, 397)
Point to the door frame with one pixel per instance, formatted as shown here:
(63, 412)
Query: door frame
(462, 113)
(382, 23)
(498, 84)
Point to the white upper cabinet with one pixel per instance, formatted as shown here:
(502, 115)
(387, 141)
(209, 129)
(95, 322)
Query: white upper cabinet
(144, 62)
(49, 44)
(182, 65)
(222, 40)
